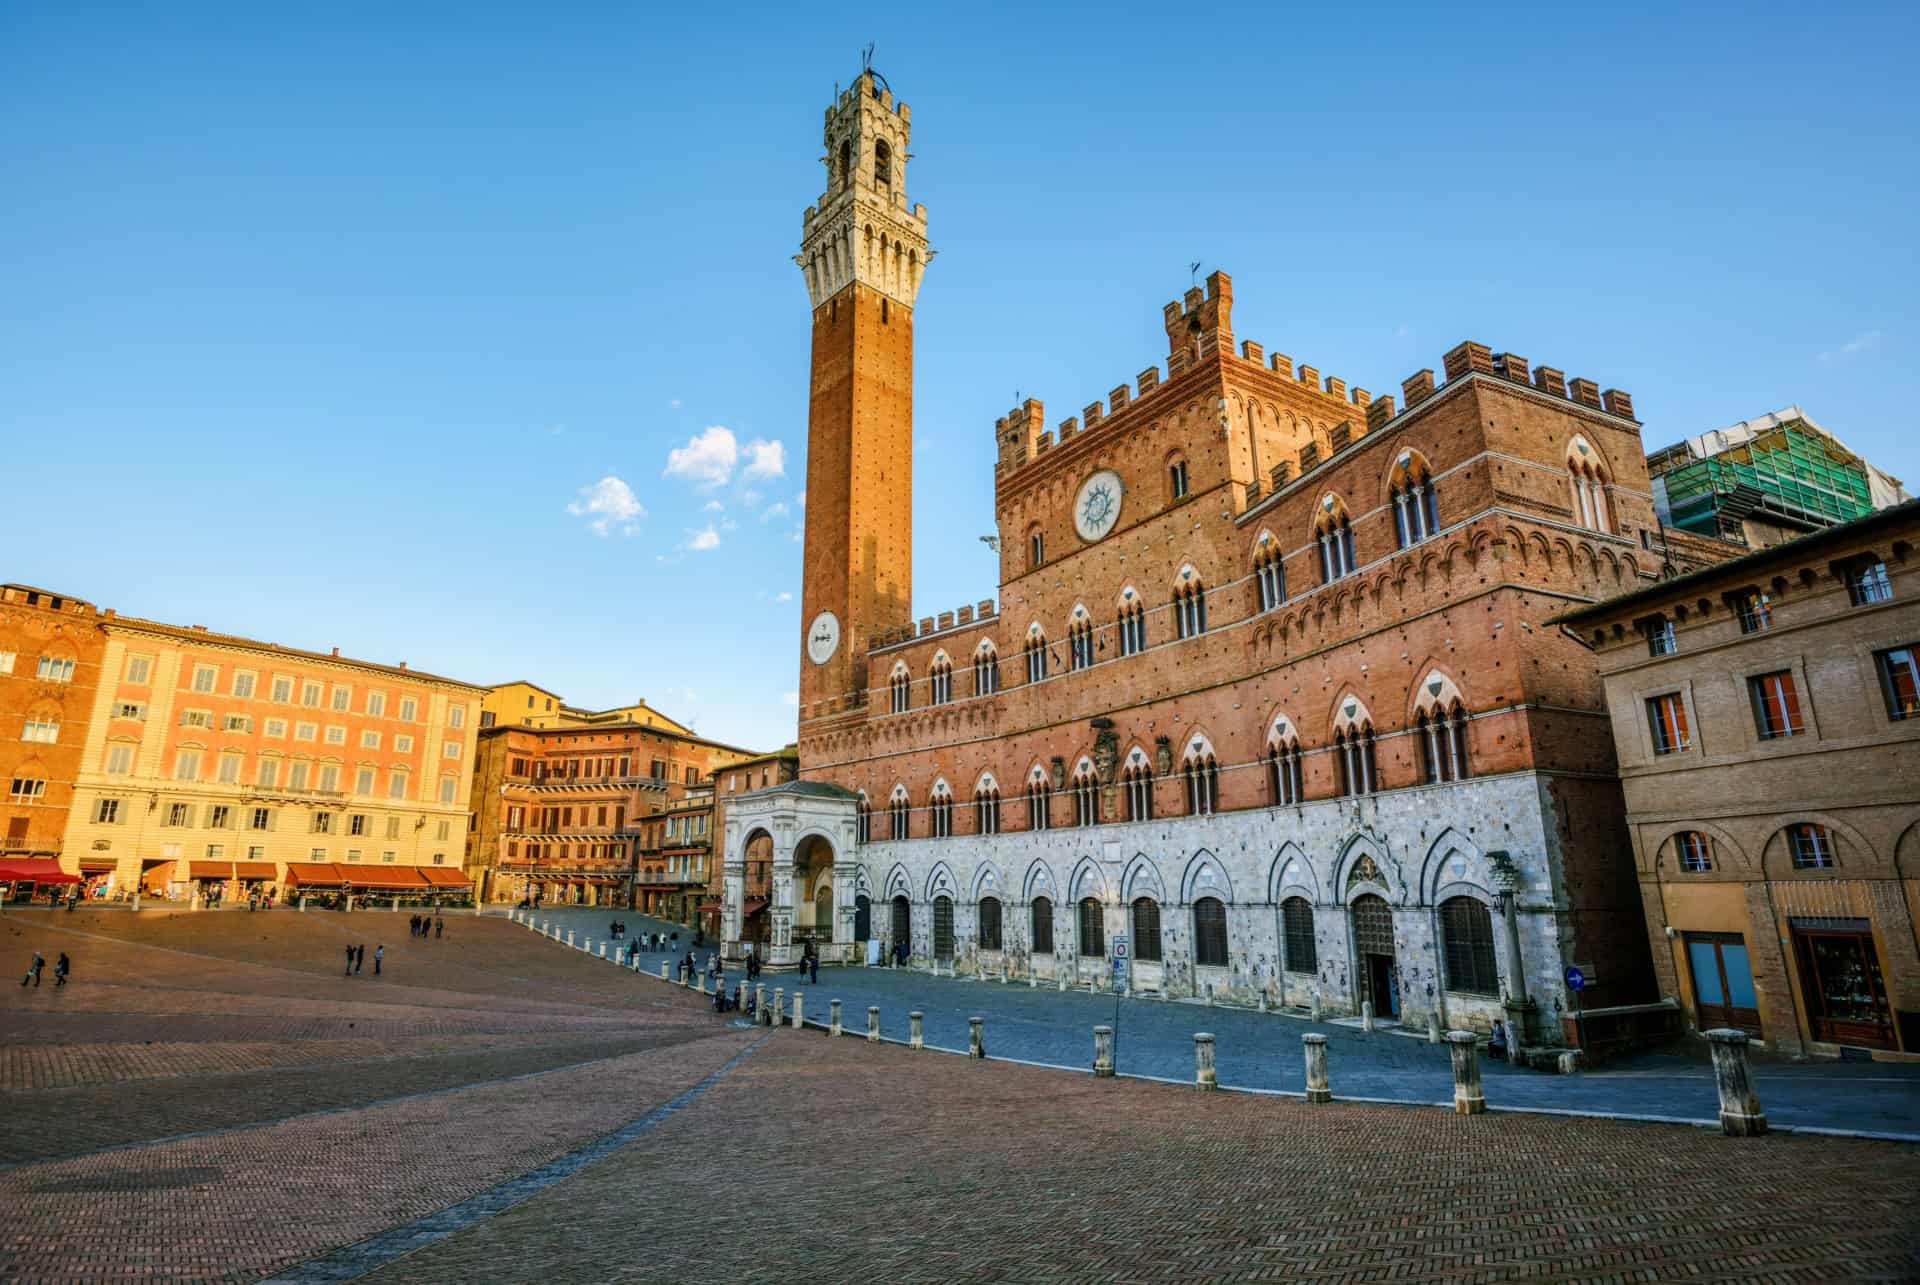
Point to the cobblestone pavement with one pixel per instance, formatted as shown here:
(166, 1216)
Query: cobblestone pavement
(1255, 1050)
(210, 1100)
(834, 1160)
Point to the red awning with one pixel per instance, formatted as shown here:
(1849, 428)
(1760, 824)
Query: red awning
(401, 879)
(710, 907)
(213, 870)
(753, 907)
(89, 866)
(253, 870)
(441, 877)
(36, 870)
(315, 874)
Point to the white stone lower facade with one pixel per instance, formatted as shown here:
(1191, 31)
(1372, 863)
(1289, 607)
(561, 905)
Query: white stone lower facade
(1414, 849)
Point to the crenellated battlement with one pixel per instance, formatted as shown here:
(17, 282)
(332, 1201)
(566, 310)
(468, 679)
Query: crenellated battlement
(980, 613)
(1199, 331)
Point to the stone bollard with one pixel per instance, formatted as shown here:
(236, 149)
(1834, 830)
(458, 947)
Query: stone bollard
(1204, 1076)
(1433, 1028)
(1740, 1113)
(586, 946)
(603, 950)
(303, 904)
(976, 1039)
(760, 1013)
(1209, 994)
(1317, 1090)
(569, 936)
(780, 1005)
(1033, 978)
(1263, 1001)
(833, 1025)
(873, 1024)
(663, 970)
(1061, 977)
(1313, 1007)
(1102, 1052)
(1467, 1098)
(915, 1037)
(799, 1010)
(1366, 1016)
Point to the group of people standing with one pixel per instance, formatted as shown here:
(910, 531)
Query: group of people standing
(428, 926)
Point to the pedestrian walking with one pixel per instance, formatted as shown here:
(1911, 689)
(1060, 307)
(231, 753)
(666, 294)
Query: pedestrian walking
(349, 971)
(33, 970)
(61, 968)
(413, 926)
(813, 970)
(359, 957)
(439, 925)
(379, 953)
(1497, 1046)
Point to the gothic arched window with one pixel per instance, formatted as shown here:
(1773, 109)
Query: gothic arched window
(901, 686)
(1146, 929)
(1269, 576)
(986, 670)
(1189, 605)
(1203, 779)
(940, 811)
(1133, 624)
(1084, 810)
(1416, 514)
(1466, 934)
(986, 806)
(1093, 934)
(899, 814)
(1210, 932)
(882, 162)
(1588, 484)
(1137, 781)
(1283, 764)
(940, 681)
(1080, 640)
(1333, 535)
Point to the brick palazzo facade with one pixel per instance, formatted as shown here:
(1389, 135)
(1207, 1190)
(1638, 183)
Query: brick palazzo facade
(1270, 690)
(50, 647)
(1767, 715)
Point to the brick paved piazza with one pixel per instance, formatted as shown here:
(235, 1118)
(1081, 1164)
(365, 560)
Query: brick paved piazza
(211, 1099)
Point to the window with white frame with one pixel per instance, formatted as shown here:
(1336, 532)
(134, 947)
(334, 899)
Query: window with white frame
(376, 704)
(236, 723)
(456, 716)
(409, 709)
(54, 669)
(306, 731)
(276, 728)
(7, 660)
(281, 692)
(310, 693)
(230, 769)
(336, 734)
(329, 778)
(1416, 514)
(196, 718)
(43, 729)
(106, 812)
(266, 773)
(135, 710)
(119, 760)
(369, 740)
(139, 669)
(186, 765)
(243, 684)
(205, 677)
(342, 697)
(450, 750)
(26, 789)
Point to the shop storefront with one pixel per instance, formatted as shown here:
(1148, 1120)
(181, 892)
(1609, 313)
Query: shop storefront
(31, 879)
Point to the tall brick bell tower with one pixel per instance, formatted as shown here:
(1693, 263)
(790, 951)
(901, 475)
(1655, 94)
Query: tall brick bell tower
(862, 252)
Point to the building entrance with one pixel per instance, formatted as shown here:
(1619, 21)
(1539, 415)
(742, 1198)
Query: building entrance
(1840, 977)
(862, 918)
(943, 928)
(1723, 994)
(1373, 944)
(903, 924)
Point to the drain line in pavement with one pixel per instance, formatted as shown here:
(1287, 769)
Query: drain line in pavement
(375, 1252)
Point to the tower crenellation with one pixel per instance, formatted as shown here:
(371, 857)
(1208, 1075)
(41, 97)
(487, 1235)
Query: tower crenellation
(863, 228)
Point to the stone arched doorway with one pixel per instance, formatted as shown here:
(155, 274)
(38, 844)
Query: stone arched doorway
(813, 877)
(903, 924)
(755, 922)
(863, 918)
(943, 928)
(1379, 973)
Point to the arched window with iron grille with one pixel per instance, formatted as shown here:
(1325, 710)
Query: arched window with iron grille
(903, 922)
(989, 923)
(1296, 922)
(1146, 929)
(1093, 932)
(1210, 932)
(1040, 925)
(1466, 933)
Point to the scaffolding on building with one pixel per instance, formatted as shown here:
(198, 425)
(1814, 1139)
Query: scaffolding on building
(1789, 472)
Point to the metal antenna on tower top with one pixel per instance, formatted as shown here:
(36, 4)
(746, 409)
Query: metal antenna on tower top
(866, 56)
(1193, 273)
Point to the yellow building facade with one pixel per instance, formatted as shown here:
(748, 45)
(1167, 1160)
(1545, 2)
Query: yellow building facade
(528, 704)
(219, 767)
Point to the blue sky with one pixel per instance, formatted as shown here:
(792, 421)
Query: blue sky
(327, 324)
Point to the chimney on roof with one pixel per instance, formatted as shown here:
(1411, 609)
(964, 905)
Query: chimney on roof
(336, 651)
(403, 664)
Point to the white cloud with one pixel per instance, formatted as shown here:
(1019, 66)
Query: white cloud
(1865, 341)
(772, 511)
(783, 596)
(728, 524)
(713, 506)
(798, 538)
(791, 698)
(801, 499)
(674, 403)
(611, 503)
(707, 459)
(750, 497)
(711, 455)
(702, 540)
(766, 459)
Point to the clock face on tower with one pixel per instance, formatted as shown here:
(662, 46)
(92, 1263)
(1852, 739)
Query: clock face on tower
(1096, 508)
(823, 637)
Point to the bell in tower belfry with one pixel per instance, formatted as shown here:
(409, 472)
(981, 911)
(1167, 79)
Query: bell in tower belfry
(863, 250)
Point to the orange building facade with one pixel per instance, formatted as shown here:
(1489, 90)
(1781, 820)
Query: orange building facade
(1268, 707)
(50, 646)
(570, 814)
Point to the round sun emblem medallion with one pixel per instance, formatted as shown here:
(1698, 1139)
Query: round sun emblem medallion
(1097, 506)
